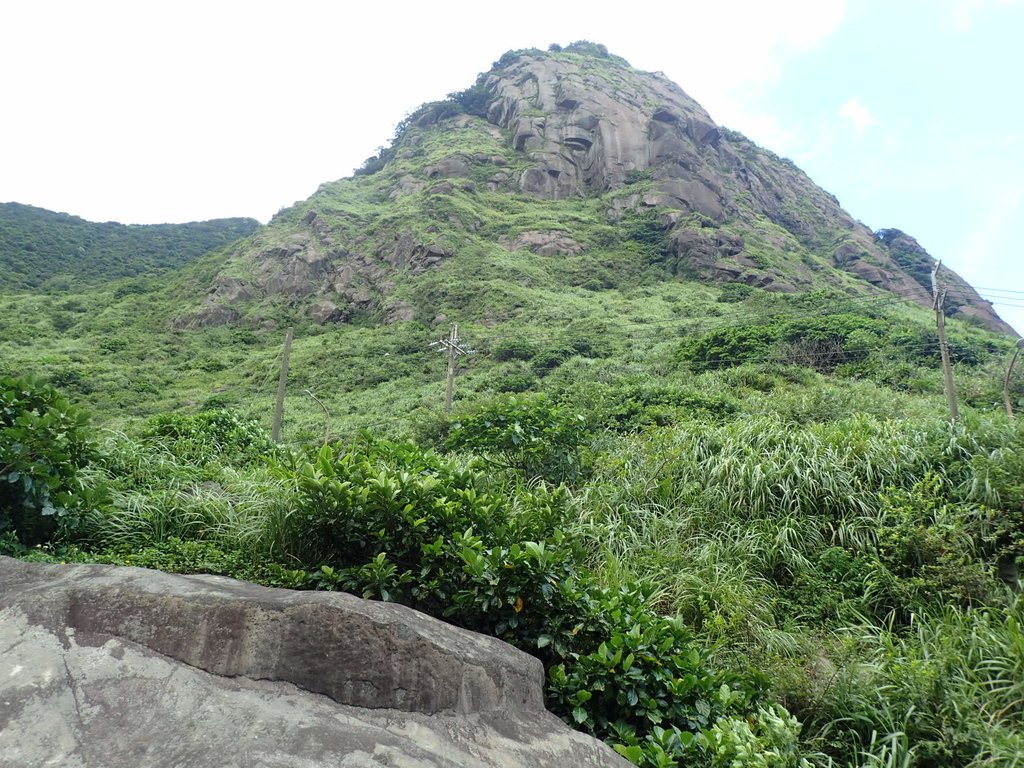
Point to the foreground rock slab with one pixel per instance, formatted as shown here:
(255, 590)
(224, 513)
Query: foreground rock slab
(107, 666)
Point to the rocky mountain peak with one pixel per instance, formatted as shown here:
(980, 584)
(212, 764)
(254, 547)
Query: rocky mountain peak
(591, 124)
(573, 124)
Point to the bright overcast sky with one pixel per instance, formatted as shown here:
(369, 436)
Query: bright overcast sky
(909, 111)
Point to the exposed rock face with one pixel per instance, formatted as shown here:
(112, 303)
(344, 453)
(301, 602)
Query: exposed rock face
(700, 250)
(600, 127)
(325, 311)
(209, 315)
(110, 667)
(597, 125)
(546, 243)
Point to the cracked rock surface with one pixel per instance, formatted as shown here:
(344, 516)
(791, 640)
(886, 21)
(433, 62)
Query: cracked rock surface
(108, 666)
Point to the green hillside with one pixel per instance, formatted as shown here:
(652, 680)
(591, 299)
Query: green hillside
(700, 460)
(40, 247)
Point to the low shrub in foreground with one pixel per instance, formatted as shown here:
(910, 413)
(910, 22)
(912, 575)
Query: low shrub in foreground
(393, 522)
(530, 434)
(44, 444)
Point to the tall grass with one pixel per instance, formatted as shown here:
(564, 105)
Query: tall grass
(948, 692)
(156, 495)
(728, 518)
(760, 494)
(777, 542)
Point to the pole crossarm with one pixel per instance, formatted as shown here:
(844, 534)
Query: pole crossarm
(453, 343)
(454, 347)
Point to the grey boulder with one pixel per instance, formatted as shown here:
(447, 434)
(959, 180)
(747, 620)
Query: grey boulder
(108, 666)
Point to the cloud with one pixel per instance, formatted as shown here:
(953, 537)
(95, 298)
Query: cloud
(733, 76)
(854, 113)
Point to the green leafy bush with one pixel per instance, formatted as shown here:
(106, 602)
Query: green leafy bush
(733, 293)
(44, 444)
(514, 349)
(647, 688)
(632, 405)
(932, 547)
(474, 100)
(392, 522)
(550, 358)
(726, 347)
(647, 232)
(861, 343)
(766, 739)
(382, 497)
(213, 434)
(529, 434)
(515, 382)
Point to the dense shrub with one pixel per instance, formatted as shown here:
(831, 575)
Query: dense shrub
(726, 347)
(646, 687)
(514, 349)
(733, 293)
(382, 497)
(474, 100)
(392, 522)
(530, 434)
(219, 434)
(862, 344)
(646, 231)
(515, 382)
(550, 358)
(44, 443)
(632, 405)
(933, 547)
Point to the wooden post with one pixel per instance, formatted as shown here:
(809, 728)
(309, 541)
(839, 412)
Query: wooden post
(939, 298)
(450, 386)
(275, 432)
(1006, 381)
(454, 346)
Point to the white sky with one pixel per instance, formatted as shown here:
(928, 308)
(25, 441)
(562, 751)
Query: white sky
(145, 112)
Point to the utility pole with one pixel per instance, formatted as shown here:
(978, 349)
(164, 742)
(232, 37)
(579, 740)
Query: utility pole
(275, 432)
(453, 344)
(1009, 373)
(939, 298)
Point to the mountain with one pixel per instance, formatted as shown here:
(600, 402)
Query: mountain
(574, 155)
(585, 225)
(37, 245)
